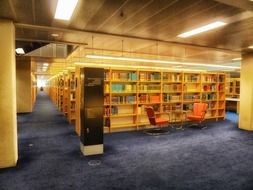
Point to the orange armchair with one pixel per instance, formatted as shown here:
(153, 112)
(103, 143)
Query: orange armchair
(155, 121)
(198, 113)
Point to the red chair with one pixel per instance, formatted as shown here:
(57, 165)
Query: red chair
(156, 121)
(198, 113)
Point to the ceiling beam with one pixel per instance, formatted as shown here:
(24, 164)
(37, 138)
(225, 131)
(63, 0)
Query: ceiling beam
(241, 4)
(100, 34)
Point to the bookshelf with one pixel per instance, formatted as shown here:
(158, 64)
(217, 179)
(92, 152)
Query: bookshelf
(233, 87)
(72, 84)
(128, 92)
(233, 94)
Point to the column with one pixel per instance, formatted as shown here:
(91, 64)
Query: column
(246, 93)
(24, 85)
(8, 118)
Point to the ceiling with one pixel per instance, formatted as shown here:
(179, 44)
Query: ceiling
(139, 26)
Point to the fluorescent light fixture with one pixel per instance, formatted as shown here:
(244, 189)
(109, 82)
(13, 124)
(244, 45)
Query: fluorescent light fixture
(158, 61)
(201, 29)
(71, 68)
(136, 67)
(237, 59)
(45, 64)
(251, 47)
(65, 9)
(55, 35)
(178, 66)
(20, 51)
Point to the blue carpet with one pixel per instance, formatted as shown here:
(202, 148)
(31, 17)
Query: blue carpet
(232, 116)
(216, 158)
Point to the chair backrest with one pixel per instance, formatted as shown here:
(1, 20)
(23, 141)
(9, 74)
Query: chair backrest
(151, 115)
(199, 109)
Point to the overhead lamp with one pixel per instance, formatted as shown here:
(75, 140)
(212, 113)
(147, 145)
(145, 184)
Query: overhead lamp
(20, 51)
(178, 66)
(65, 9)
(71, 68)
(237, 59)
(45, 64)
(251, 47)
(55, 35)
(157, 61)
(201, 29)
(136, 67)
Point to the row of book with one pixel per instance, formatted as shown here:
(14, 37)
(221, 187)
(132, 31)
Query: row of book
(172, 107)
(171, 98)
(209, 78)
(172, 87)
(209, 96)
(211, 87)
(191, 78)
(125, 76)
(149, 88)
(146, 98)
(123, 88)
(191, 97)
(149, 76)
(172, 77)
(72, 95)
(123, 99)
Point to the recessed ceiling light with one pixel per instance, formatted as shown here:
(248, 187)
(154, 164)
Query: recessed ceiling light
(65, 9)
(20, 51)
(251, 47)
(45, 64)
(201, 29)
(55, 35)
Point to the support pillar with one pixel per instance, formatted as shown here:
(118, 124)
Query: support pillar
(24, 85)
(8, 118)
(246, 93)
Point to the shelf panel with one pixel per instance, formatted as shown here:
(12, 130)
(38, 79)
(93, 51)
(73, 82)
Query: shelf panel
(172, 82)
(124, 81)
(124, 104)
(189, 92)
(147, 103)
(122, 115)
(148, 92)
(190, 101)
(123, 92)
(124, 125)
(173, 102)
(171, 92)
(156, 81)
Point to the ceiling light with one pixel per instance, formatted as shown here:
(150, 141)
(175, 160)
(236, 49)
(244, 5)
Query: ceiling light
(201, 29)
(45, 64)
(70, 68)
(157, 61)
(55, 35)
(237, 59)
(20, 51)
(136, 67)
(251, 47)
(178, 66)
(65, 9)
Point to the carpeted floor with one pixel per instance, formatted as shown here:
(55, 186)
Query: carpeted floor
(216, 158)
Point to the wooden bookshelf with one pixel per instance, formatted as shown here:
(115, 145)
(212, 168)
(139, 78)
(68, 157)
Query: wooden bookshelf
(72, 97)
(128, 92)
(233, 87)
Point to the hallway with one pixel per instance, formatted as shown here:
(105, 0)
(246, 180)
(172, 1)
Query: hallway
(49, 157)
